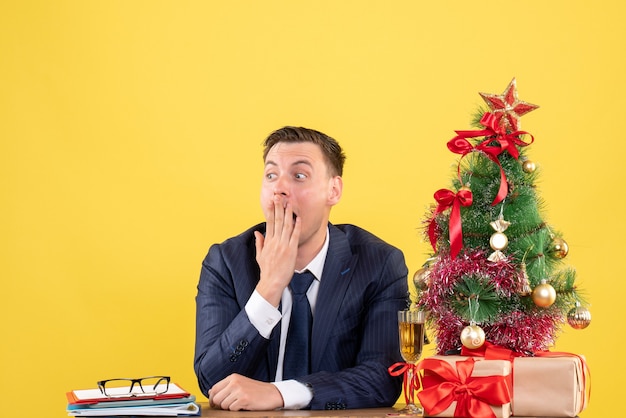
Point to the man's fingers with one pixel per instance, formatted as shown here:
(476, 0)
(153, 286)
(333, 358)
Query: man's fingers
(287, 223)
(259, 241)
(279, 215)
(219, 394)
(237, 392)
(295, 234)
(269, 222)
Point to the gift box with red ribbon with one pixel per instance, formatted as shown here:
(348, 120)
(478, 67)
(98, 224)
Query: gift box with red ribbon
(457, 386)
(552, 385)
(546, 383)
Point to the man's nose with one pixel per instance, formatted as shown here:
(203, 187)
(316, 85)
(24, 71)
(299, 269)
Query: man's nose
(281, 187)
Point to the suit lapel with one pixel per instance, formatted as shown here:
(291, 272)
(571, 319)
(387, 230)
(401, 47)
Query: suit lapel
(246, 273)
(338, 270)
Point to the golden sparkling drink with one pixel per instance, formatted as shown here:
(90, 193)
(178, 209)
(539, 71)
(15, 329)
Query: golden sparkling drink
(411, 340)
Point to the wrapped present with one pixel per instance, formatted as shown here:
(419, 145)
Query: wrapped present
(550, 384)
(553, 384)
(458, 386)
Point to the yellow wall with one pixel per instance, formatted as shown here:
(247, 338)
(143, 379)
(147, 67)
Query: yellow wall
(130, 139)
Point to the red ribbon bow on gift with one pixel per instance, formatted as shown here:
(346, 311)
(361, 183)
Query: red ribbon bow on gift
(443, 385)
(506, 142)
(446, 199)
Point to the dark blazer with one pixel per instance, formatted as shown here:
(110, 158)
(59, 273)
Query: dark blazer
(355, 333)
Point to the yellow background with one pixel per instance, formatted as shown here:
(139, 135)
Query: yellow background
(130, 137)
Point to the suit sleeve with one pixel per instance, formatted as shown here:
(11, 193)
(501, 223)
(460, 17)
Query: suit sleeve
(368, 383)
(226, 341)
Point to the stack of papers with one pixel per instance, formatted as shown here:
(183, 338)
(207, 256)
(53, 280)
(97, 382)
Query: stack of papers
(175, 402)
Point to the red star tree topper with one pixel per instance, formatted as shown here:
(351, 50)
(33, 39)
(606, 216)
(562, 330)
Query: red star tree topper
(507, 108)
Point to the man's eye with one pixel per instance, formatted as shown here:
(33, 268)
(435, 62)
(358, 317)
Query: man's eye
(270, 176)
(300, 176)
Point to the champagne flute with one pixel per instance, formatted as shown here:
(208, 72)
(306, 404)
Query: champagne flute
(411, 329)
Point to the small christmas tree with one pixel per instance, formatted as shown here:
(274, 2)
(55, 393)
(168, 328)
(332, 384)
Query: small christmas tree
(497, 271)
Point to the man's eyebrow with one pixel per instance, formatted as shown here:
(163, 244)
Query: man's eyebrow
(297, 162)
(305, 162)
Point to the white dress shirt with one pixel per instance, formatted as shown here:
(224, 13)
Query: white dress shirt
(264, 317)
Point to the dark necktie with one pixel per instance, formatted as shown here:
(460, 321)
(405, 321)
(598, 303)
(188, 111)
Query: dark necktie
(298, 346)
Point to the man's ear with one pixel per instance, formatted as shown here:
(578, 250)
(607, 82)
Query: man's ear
(336, 189)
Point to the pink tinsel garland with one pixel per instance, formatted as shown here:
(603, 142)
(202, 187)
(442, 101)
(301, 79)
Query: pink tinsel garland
(525, 328)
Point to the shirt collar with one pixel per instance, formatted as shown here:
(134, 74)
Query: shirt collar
(316, 266)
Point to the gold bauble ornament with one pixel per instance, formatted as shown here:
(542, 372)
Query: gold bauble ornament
(544, 295)
(472, 337)
(579, 317)
(528, 166)
(421, 279)
(559, 248)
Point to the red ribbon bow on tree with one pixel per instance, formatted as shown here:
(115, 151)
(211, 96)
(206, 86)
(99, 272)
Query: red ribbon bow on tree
(446, 199)
(506, 142)
(442, 385)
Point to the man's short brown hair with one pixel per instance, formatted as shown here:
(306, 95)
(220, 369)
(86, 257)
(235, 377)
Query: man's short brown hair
(331, 149)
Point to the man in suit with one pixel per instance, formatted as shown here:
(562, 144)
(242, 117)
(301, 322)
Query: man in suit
(244, 300)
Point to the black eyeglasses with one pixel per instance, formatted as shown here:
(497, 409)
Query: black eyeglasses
(144, 386)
